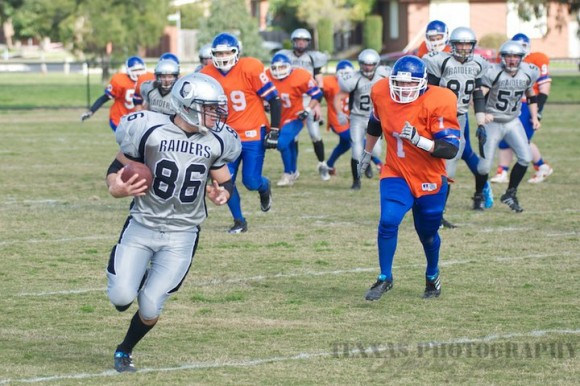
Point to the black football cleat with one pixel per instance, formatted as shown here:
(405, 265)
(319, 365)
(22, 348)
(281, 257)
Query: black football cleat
(432, 288)
(510, 199)
(266, 199)
(124, 362)
(378, 289)
(447, 224)
(478, 201)
(240, 226)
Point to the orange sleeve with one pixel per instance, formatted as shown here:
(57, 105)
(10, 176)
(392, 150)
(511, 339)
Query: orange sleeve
(331, 89)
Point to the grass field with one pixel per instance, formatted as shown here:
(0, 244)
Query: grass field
(283, 303)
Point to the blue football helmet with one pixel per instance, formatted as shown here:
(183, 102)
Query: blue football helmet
(169, 56)
(524, 41)
(281, 66)
(135, 66)
(408, 79)
(436, 28)
(225, 43)
(344, 67)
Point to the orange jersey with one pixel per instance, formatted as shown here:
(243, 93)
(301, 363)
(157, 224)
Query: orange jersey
(245, 85)
(331, 89)
(423, 50)
(291, 90)
(434, 115)
(541, 61)
(140, 80)
(121, 89)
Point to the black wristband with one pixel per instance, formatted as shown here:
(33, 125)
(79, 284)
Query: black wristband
(115, 166)
(229, 186)
(374, 128)
(542, 98)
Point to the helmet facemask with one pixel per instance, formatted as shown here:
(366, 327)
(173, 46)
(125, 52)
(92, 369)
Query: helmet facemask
(224, 58)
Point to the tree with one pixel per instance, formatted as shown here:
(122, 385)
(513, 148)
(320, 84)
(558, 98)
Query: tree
(233, 16)
(7, 10)
(528, 9)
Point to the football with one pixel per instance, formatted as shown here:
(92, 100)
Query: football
(137, 168)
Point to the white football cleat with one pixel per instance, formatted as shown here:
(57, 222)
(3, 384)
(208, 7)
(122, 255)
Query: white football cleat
(323, 170)
(500, 178)
(541, 174)
(286, 180)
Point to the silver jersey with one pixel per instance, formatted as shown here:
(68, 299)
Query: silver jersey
(154, 100)
(359, 89)
(456, 76)
(308, 60)
(180, 163)
(506, 91)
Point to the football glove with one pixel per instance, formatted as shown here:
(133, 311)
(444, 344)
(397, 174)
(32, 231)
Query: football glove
(342, 118)
(271, 139)
(86, 116)
(481, 138)
(363, 164)
(302, 115)
(410, 133)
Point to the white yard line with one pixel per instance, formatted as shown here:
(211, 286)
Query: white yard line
(300, 356)
(213, 282)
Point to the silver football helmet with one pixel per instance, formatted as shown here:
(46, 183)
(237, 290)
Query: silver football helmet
(166, 67)
(509, 48)
(300, 33)
(462, 35)
(205, 53)
(368, 61)
(198, 98)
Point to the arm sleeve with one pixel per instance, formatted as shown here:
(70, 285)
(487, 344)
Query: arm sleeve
(99, 102)
(275, 112)
(542, 98)
(444, 149)
(432, 79)
(478, 101)
(374, 127)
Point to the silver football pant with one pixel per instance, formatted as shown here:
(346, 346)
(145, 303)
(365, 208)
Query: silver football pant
(451, 164)
(168, 255)
(514, 134)
(358, 131)
(312, 125)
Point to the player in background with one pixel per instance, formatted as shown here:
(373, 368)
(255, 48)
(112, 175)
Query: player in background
(504, 85)
(149, 76)
(436, 38)
(357, 86)
(292, 84)
(303, 57)
(461, 72)
(246, 86)
(331, 89)
(420, 128)
(161, 234)
(204, 56)
(542, 90)
(156, 94)
(121, 88)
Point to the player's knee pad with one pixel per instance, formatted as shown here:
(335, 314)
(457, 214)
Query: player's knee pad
(388, 227)
(252, 183)
(121, 295)
(150, 308)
